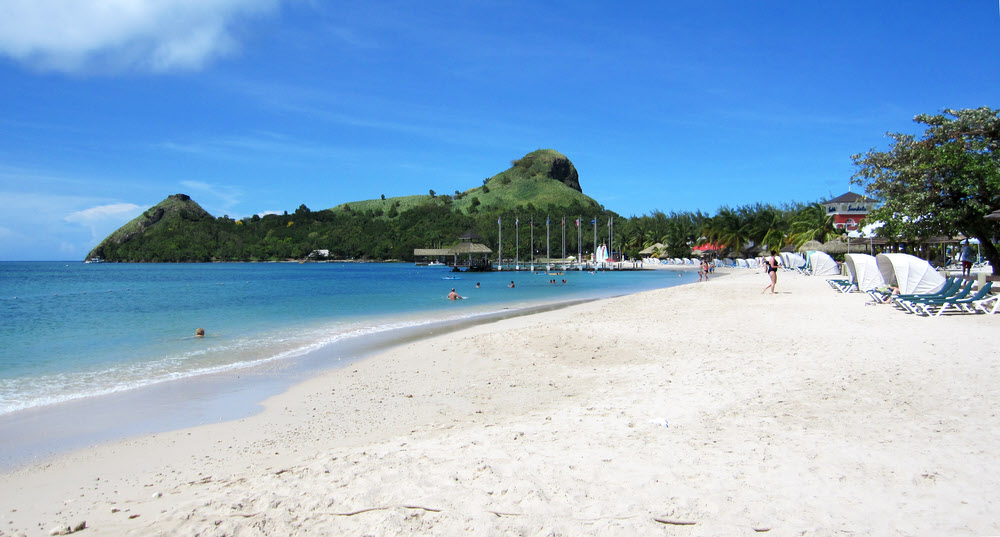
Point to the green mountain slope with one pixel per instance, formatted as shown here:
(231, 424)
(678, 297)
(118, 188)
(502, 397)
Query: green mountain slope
(542, 183)
(172, 212)
(540, 179)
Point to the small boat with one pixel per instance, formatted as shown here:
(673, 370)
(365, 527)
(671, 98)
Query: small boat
(452, 278)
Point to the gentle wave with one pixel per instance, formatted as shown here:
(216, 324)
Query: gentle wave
(23, 394)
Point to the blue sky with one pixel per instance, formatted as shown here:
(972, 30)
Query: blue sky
(250, 106)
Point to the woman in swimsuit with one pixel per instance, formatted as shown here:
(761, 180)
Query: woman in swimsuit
(772, 271)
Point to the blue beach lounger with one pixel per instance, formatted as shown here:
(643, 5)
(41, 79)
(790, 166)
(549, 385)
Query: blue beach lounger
(926, 307)
(960, 290)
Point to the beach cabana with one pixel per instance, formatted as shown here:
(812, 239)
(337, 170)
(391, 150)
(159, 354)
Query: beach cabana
(911, 274)
(792, 261)
(729, 262)
(864, 271)
(742, 263)
(821, 264)
(654, 249)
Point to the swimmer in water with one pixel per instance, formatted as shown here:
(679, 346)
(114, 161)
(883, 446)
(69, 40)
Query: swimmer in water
(199, 332)
(454, 296)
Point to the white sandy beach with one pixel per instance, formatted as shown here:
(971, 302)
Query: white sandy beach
(706, 409)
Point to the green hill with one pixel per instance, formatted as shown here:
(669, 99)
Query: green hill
(541, 183)
(176, 208)
(540, 179)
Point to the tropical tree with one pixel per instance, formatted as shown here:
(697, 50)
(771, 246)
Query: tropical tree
(730, 228)
(769, 227)
(944, 183)
(812, 223)
(682, 230)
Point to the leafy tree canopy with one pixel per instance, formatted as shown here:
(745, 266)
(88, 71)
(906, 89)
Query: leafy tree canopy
(943, 183)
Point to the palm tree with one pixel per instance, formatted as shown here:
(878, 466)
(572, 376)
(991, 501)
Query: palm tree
(731, 228)
(812, 224)
(770, 227)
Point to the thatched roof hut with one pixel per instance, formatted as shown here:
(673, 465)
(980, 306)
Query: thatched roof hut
(652, 249)
(834, 246)
(810, 245)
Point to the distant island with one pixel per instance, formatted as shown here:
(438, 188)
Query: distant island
(541, 184)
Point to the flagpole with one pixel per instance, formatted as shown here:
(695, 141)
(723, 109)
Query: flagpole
(547, 241)
(564, 239)
(579, 241)
(594, 221)
(499, 245)
(611, 245)
(517, 242)
(531, 250)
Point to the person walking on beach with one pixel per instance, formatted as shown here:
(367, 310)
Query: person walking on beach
(772, 271)
(966, 258)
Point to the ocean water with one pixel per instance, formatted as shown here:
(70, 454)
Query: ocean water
(71, 331)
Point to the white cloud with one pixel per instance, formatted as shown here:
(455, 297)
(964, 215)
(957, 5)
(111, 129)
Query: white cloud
(145, 35)
(103, 212)
(103, 219)
(36, 226)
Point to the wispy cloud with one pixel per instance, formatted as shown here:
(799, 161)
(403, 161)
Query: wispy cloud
(101, 212)
(102, 217)
(123, 35)
(258, 145)
(38, 225)
(223, 196)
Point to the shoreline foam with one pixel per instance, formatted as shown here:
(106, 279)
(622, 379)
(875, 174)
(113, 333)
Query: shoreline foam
(804, 412)
(34, 434)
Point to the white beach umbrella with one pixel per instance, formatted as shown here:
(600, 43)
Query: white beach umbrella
(911, 274)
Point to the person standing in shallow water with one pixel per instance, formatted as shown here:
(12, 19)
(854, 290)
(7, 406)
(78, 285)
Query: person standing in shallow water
(772, 271)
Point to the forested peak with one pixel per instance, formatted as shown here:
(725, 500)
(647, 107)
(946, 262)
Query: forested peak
(174, 207)
(547, 163)
(176, 203)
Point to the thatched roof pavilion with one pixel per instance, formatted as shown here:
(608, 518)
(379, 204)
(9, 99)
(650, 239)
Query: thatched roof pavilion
(652, 249)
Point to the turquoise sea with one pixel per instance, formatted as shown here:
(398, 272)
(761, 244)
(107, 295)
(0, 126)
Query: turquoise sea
(73, 333)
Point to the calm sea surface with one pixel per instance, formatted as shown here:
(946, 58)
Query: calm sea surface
(71, 331)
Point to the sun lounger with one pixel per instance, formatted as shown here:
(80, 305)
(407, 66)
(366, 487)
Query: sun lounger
(884, 295)
(984, 305)
(951, 286)
(841, 284)
(927, 307)
(962, 290)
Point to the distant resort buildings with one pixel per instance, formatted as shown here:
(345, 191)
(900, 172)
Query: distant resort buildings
(849, 210)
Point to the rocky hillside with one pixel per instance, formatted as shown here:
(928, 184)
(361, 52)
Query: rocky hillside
(175, 207)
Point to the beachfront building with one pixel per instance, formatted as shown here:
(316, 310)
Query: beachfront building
(849, 210)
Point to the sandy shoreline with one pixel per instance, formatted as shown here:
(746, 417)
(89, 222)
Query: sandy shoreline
(807, 412)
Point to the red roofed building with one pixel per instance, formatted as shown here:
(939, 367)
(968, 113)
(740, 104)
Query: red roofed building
(849, 210)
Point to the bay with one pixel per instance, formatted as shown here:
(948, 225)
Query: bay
(73, 335)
